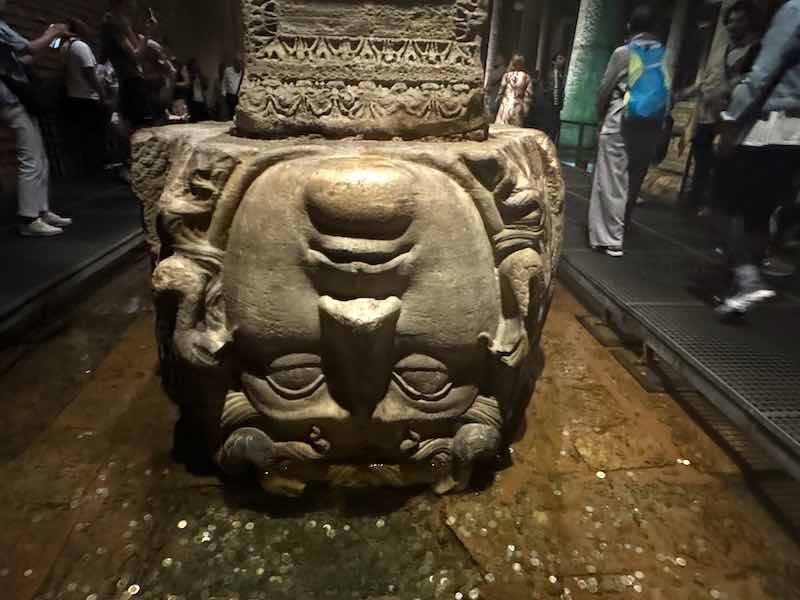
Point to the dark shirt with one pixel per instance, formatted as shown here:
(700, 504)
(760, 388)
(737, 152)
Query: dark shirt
(114, 31)
(554, 88)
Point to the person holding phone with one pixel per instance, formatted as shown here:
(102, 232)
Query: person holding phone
(16, 101)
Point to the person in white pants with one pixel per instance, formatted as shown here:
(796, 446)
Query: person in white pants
(33, 173)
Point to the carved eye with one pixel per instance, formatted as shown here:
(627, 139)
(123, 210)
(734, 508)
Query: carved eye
(423, 378)
(296, 376)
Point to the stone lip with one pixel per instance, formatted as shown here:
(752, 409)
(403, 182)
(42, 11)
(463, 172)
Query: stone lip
(397, 109)
(161, 153)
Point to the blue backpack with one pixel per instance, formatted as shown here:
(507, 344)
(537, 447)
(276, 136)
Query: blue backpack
(648, 95)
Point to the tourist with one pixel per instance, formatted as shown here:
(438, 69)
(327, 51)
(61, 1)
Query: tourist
(126, 50)
(117, 134)
(515, 95)
(17, 108)
(232, 84)
(713, 92)
(183, 83)
(216, 99)
(550, 100)
(760, 146)
(158, 70)
(633, 105)
(86, 104)
(198, 86)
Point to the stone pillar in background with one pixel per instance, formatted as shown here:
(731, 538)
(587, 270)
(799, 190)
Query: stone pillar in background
(599, 30)
(495, 31)
(545, 26)
(350, 283)
(527, 34)
(678, 30)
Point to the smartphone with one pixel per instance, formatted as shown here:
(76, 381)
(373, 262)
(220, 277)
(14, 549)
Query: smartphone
(56, 43)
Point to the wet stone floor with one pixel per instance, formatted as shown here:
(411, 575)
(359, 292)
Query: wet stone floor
(611, 493)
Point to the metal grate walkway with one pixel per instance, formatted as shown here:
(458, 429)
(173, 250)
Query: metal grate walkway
(659, 292)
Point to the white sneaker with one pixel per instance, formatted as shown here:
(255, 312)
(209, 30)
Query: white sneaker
(54, 220)
(740, 304)
(39, 228)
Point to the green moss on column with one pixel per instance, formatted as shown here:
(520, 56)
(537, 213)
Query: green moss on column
(599, 30)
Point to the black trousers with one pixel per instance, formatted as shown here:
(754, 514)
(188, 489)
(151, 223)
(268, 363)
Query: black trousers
(704, 161)
(232, 101)
(198, 111)
(88, 122)
(751, 184)
(135, 102)
(641, 143)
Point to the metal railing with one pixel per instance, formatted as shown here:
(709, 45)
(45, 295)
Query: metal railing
(585, 153)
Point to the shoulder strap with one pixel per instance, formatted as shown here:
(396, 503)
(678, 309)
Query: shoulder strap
(241, 82)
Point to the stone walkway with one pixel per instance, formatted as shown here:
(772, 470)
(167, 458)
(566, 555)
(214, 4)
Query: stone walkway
(611, 493)
(40, 275)
(663, 291)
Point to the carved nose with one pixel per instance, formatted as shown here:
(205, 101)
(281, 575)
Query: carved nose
(358, 338)
(366, 198)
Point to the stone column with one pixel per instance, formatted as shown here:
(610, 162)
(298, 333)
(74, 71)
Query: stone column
(495, 32)
(676, 34)
(527, 35)
(599, 30)
(542, 54)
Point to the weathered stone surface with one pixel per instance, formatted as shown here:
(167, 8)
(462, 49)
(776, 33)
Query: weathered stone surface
(324, 304)
(380, 69)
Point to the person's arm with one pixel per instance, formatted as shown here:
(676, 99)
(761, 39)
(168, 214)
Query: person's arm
(617, 64)
(780, 45)
(688, 93)
(26, 49)
(528, 98)
(43, 42)
(501, 91)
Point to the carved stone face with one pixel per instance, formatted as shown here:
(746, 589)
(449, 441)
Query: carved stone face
(360, 313)
(357, 290)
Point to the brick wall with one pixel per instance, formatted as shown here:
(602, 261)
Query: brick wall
(31, 18)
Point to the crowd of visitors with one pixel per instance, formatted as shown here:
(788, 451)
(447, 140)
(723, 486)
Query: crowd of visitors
(745, 141)
(532, 100)
(122, 79)
(744, 135)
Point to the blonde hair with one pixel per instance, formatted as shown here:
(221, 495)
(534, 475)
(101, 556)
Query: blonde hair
(517, 63)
